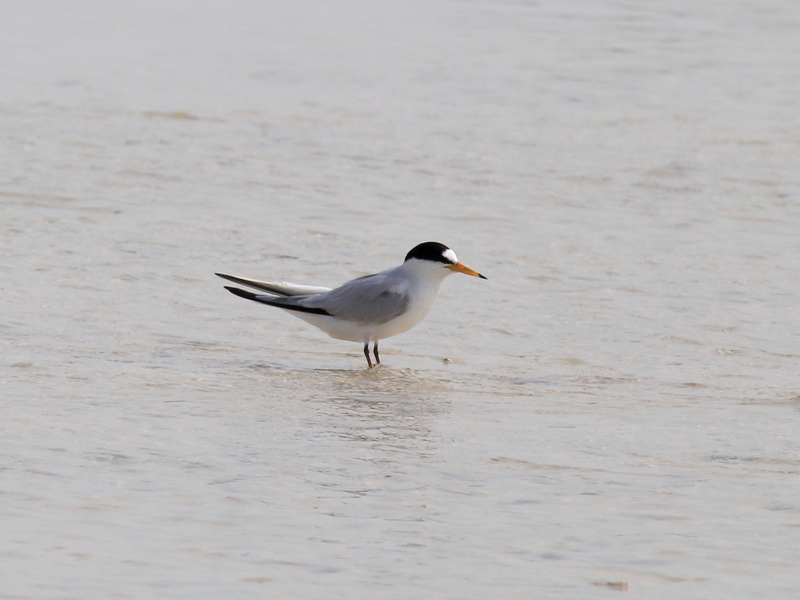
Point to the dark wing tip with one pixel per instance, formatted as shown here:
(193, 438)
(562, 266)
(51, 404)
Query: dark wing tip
(241, 293)
(274, 302)
(482, 277)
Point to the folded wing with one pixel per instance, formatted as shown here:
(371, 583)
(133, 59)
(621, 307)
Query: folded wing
(368, 300)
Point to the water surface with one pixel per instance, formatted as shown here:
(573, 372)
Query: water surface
(615, 409)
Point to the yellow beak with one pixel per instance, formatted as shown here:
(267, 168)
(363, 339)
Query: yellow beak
(462, 268)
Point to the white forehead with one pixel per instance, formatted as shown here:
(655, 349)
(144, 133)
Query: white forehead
(450, 256)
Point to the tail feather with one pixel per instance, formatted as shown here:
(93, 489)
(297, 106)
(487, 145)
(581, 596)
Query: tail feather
(273, 287)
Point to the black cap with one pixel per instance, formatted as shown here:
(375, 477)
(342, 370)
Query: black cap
(433, 251)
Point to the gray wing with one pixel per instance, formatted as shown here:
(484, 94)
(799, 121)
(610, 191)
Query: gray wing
(370, 300)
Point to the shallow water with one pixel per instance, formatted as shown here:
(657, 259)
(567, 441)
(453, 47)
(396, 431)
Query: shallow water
(615, 409)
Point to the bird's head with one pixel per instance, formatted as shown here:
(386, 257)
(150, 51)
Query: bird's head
(438, 256)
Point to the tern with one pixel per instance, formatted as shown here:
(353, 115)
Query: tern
(366, 309)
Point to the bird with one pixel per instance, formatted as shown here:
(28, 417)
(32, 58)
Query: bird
(369, 308)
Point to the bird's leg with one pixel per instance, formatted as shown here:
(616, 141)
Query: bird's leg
(366, 353)
(375, 350)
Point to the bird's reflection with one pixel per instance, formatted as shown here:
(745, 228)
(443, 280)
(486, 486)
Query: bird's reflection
(390, 410)
(391, 413)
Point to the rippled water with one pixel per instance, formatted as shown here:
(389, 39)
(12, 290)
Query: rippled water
(615, 409)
